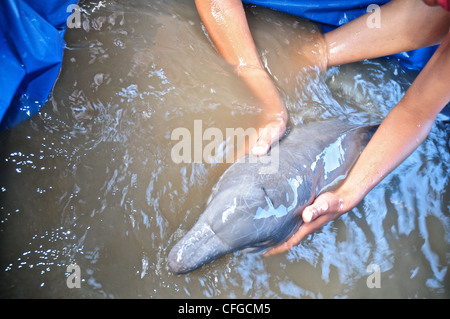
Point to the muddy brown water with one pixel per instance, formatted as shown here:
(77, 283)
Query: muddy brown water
(90, 179)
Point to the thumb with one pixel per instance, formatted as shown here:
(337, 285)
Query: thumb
(313, 211)
(268, 135)
(324, 204)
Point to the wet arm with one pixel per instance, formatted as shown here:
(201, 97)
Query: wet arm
(227, 27)
(400, 133)
(404, 25)
(403, 129)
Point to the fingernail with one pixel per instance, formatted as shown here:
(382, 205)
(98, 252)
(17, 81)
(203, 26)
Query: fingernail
(307, 216)
(259, 149)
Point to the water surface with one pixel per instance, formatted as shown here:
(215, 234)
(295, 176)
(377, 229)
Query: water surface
(90, 179)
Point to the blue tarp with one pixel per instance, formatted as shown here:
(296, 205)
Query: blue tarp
(32, 45)
(31, 51)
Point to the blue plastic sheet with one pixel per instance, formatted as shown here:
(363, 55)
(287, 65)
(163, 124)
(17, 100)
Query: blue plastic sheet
(330, 13)
(32, 45)
(334, 13)
(31, 51)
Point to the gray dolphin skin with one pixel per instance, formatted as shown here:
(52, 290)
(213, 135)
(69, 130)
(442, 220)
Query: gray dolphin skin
(257, 202)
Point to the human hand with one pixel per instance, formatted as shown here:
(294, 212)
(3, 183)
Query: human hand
(326, 207)
(267, 135)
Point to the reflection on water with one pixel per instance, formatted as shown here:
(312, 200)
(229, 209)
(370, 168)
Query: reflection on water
(90, 179)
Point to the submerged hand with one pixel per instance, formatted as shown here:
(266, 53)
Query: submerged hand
(325, 208)
(273, 118)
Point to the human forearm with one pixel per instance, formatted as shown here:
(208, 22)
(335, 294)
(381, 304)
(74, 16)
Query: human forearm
(227, 27)
(404, 25)
(397, 137)
(403, 129)
(264, 89)
(401, 132)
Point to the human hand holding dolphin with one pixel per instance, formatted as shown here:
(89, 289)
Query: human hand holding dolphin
(326, 207)
(227, 27)
(400, 133)
(406, 125)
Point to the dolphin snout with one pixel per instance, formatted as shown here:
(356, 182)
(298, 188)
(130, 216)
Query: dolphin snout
(198, 247)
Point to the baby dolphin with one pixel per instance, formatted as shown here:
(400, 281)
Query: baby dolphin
(257, 202)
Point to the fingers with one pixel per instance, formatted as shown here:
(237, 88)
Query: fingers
(268, 135)
(283, 248)
(303, 231)
(262, 145)
(311, 212)
(286, 246)
(326, 203)
(325, 208)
